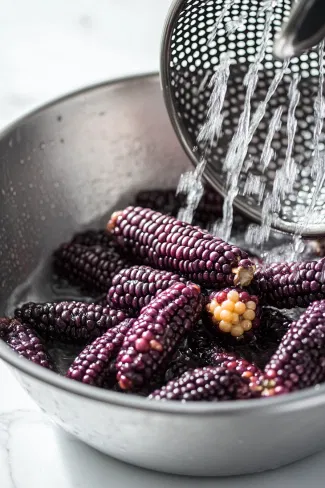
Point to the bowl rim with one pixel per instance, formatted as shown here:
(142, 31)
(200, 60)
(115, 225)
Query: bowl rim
(297, 400)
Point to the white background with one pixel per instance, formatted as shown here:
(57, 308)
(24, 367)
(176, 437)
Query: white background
(48, 48)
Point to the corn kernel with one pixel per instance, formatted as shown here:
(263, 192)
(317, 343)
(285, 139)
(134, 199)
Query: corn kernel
(246, 325)
(249, 315)
(251, 305)
(217, 312)
(228, 305)
(233, 295)
(225, 326)
(240, 308)
(226, 316)
(235, 318)
(237, 331)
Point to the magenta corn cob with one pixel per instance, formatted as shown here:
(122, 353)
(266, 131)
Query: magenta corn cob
(156, 334)
(25, 342)
(94, 365)
(211, 383)
(169, 244)
(133, 288)
(299, 361)
(93, 267)
(69, 321)
(288, 285)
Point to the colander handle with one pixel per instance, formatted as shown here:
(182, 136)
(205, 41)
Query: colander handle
(305, 29)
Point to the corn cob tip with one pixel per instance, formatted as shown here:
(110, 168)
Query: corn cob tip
(244, 273)
(113, 221)
(233, 311)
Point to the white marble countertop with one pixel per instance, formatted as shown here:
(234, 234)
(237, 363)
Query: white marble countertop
(49, 48)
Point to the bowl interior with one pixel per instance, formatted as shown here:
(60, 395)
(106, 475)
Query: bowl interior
(66, 167)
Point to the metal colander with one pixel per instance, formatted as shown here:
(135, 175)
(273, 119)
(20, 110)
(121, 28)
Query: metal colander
(197, 34)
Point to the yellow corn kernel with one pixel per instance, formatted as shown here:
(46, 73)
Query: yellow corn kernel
(217, 312)
(251, 305)
(225, 326)
(233, 295)
(240, 308)
(246, 325)
(249, 315)
(235, 318)
(228, 305)
(237, 331)
(226, 316)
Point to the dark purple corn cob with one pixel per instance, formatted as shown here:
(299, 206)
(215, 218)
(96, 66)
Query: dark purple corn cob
(69, 321)
(135, 287)
(92, 267)
(25, 342)
(94, 365)
(93, 237)
(211, 383)
(233, 311)
(288, 285)
(299, 361)
(244, 368)
(169, 244)
(156, 334)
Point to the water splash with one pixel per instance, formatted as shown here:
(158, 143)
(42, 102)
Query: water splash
(268, 152)
(238, 146)
(211, 129)
(236, 24)
(284, 177)
(254, 185)
(228, 4)
(190, 183)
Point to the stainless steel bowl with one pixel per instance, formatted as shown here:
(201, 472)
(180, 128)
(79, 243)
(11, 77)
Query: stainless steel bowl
(66, 166)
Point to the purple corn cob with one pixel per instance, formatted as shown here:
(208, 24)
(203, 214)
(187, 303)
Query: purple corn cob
(135, 287)
(95, 365)
(244, 368)
(288, 285)
(69, 321)
(156, 334)
(93, 267)
(170, 244)
(299, 361)
(211, 383)
(25, 342)
(93, 237)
